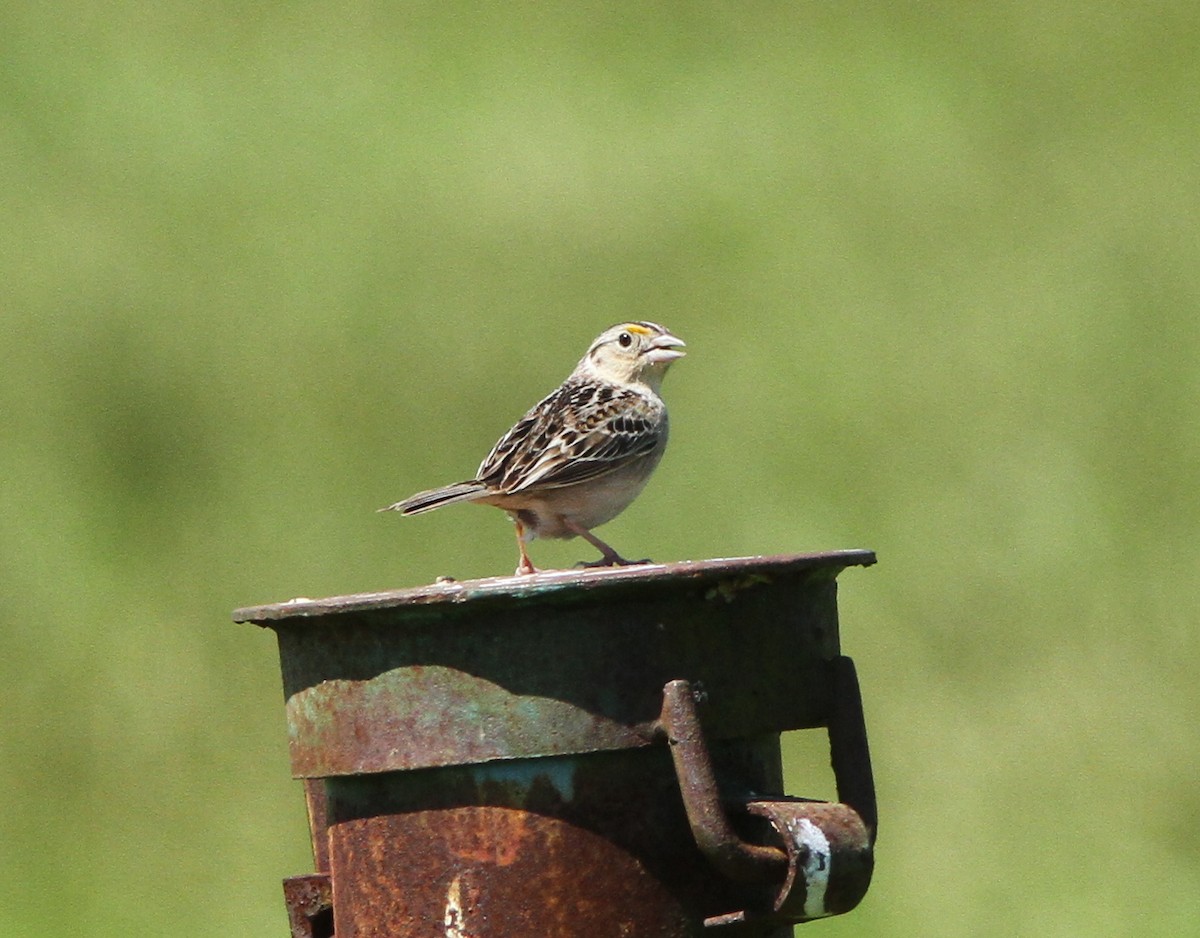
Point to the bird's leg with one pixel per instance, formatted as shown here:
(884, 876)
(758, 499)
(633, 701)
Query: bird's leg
(526, 565)
(610, 557)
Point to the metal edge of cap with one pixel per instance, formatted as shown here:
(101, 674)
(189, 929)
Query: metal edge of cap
(553, 583)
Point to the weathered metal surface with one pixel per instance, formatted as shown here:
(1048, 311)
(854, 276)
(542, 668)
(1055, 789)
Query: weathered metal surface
(553, 664)
(492, 873)
(489, 758)
(591, 845)
(730, 571)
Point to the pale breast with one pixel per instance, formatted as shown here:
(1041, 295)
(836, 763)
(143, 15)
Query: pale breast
(596, 502)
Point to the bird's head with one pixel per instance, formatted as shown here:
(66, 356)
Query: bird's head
(633, 352)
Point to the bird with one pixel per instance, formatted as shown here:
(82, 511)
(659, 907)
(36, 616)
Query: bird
(582, 454)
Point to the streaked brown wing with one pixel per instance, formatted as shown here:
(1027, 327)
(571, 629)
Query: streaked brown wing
(580, 432)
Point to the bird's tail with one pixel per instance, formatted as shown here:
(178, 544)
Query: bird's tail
(436, 498)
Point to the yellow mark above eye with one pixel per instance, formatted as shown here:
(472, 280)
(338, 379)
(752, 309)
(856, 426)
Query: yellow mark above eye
(636, 329)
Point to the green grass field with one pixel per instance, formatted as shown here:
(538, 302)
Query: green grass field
(265, 269)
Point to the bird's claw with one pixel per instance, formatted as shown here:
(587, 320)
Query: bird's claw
(613, 561)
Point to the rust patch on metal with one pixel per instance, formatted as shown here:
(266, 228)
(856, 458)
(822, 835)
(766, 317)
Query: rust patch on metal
(489, 872)
(415, 716)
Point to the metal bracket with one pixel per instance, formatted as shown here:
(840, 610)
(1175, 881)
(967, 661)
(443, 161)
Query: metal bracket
(823, 856)
(309, 902)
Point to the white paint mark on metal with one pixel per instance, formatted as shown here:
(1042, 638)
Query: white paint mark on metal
(455, 917)
(816, 864)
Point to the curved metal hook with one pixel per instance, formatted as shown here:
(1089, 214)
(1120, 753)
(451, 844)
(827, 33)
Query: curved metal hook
(734, 857)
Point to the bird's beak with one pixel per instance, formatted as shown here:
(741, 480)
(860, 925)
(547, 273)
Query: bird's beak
(665, 348)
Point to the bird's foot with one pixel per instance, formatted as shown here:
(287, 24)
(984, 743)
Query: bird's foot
(614, 561)
(608, 556)
(524, 568)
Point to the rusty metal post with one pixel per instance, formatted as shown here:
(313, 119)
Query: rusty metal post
(577, 753)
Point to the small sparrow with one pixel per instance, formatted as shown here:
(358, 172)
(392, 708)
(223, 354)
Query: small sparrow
(581, 455)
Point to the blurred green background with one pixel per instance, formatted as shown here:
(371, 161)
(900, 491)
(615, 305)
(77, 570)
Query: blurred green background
(264, 268)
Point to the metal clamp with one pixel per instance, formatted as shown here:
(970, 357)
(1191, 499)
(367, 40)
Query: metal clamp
(823, 856)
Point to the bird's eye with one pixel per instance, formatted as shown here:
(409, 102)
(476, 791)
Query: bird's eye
(625, 339)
